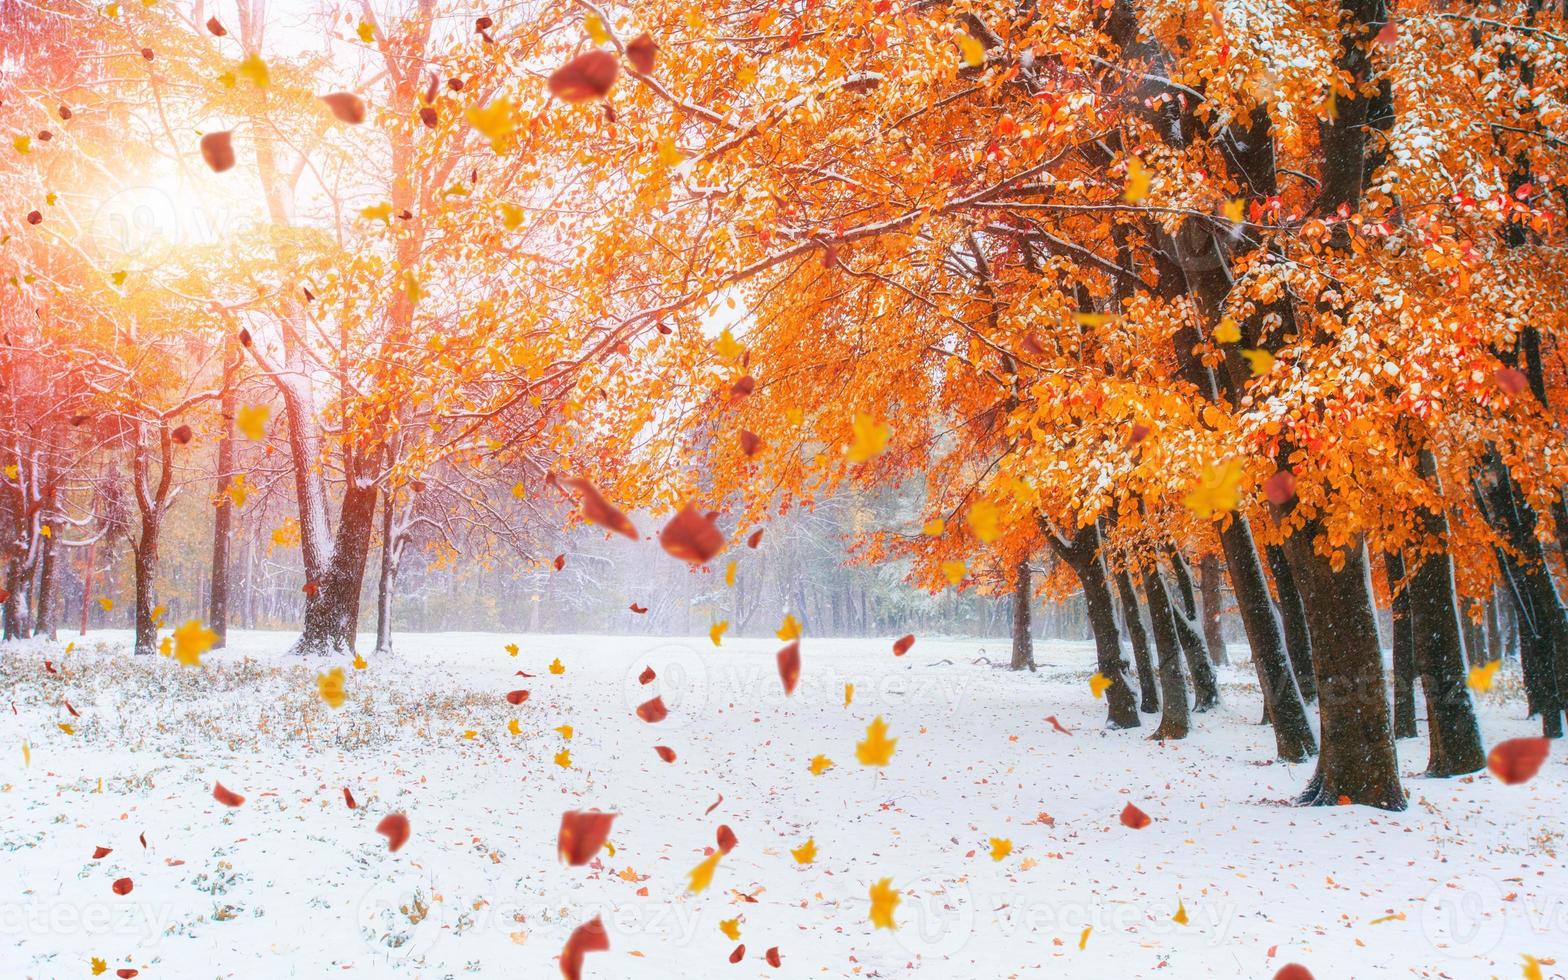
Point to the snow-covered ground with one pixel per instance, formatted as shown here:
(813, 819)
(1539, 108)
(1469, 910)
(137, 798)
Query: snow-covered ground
(295, 884)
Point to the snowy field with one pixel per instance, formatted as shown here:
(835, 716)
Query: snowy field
(295, 884)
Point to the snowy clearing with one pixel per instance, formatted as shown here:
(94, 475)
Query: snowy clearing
(295, 884)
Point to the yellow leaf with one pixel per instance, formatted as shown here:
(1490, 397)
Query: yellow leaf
(23, 144)
(1137, 181)
(227, 80)
(805, 853)
(251, 420)
(717, 630)
(366, 32)
(702, 874)
(1481, 677)
(496, 121)
(1084, 319)
(973, 50)
(1228, 332)
(471, 733)
(556, 667)
(66, 728)
(790, 630)
(513, 727)
(255, 71)
(1532, 967)
(1083, 937)
(820, 764)
(11, 472)
(191, 640)
(329, 685)
(984, 521)
(1262, 361)
(360, 663)
(1234, 210)
(46, 530)
(870, 438)
(1218, 491)
(933, 527)
(237, 491)
(954, 570)
(1000, 848)
(730, 928)
(166, 647)
(27, 756)
(671, 156)
(1098, 682)
(511, 648)
(1180, 918)
(849, 694)
(377, 212)
(566, 732)
(98, 966)
(729, 574)
(511, 216)
(106, 604)
(563, 758)
(596, 29)
(884, 899)
(727, 347)
(877, 748)
(519, 491)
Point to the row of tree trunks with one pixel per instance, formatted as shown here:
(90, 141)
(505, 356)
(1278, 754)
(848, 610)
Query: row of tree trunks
(1132, 615)
(1175, 716)
(1209, 574)
(1082, 554)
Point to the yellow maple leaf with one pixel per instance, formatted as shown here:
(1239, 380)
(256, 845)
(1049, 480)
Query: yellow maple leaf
(496, 122)
(1261, 361)
(972, 50)
(106, 604)
(377, 212)
(1000, 848)
(870, 438)
(1218, 491)
(1234, 210)
(849, 694)
(251, 420)
(702, 875)
(884, 899)
(933, 527)
(790, 630)
(471, 733)
(511, 216)
(566, 732)
(985, 521)
(1228, 332)
(98, 966)
(366, 32)
(65, 728)
(596, 29)
(1098, 682)
(717, 630)
(360, 663)
(556, 667)
(329, 685)
(237, 491)
(1180, 918)
(166, 647)
(1532, 967)
(513, 727)
(1137, 181)
(511, 648)
(670, 155)
(255, 71)
(730, 928)
(563, 758)
(518, 490)
(1481, 678)
(877, 748)
(191, 640)
(23, 144)
(11, 472)
(820, 764)
(805, 853)
(954, 570)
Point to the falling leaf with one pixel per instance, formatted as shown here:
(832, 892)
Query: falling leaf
(1261, 361)
(511, 648)
(589, 937)
(727, 347)
(1218, 491)
(1517, 760)
(1000, 848)
(122, 886)
(701, 876)
(348, 798)
(984, 521)
(1137, 181)
(191, 640)
(717, 630)
(772, 956)
(1098, 682)
(346, 106)
(226, 796)
(870, 438)
(254, 70)
(933, 527)
(1233, 210)
(590, 75)
(954, 571)
(641, 52)
(1480, 678)
(819, 765)
(496, 122)
(805, 853)
(329, 685)
(101, 852)
(563, 758)
(902, 644)
(691, 537)
(789, 667)
(516, 697)
(665, 752)
(599, 510)
(653, 711)
(360, 663)
(513, 727)
(217, 149)
(883, 901)
(1083, 937)
(730, 928)
(849, 694)
(1134, 817)
(556, 667)
(394, 827)
(1180, 918)
(972, 50)
(98, 966)
(1511, 380)
(582, 834)
(366, 32)
(1532, 967)
(877, 748)
(790, 630)
(69, 730)
(565, 731)
(1057, 725)
(251, 420)
(1228, 332)
(1280, 487)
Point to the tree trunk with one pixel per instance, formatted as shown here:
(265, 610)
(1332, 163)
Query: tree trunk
(1293, 616)
(332, 608)
(145, 562)
(1450, 716)
(48, 575)
(1133, 617)
(1209, 588)
(223, 509)
(1175, 720)
(1404, 646)
(391, 558)
(1494, 630)
(1282, 703)
(1082, 554)
(1200, 661)
(1357, 760)
(1023, 599)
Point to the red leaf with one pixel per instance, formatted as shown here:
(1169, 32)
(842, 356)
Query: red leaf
(215, 27)
(516, 697)
(35, 217)
(589, 937)
(347, 106)
(1280, 487)
(653, 711)
(583, 833)
(1139, 433)
(647, 676)
(590, 75)
(745, 386)
(739, 954)
(126, 973)
(226, 796)
(641, 53)
(665, 752)
(349, 799)
(102, 852)
(691, 536)
(1518, 759)
(902, 644)
(1293, 971)
(750, 443)
(1510, 380)
(715, 805)
(1057, 725)
(1134, 817)
(394, 826)
(181, 435)
(755, 539)
(48, 664)
(122, 886)
(560, 562)
(772, 956)
(789, 666)
(310, 589)
(639, 610)
(143, 838)
(727, 840)
(598, 510)
(218, 150)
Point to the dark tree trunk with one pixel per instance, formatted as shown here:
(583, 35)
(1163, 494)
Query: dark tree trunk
(1404, 646)
(1357, 760)
(1133, 617)
(48, 576)
(1175, 720)
(332, 606)
(1023, 599)
(1450, 716)
(1293, 616)
(1205, 685)
(1282, 703)
(1209, 587)
(223, 509)
(1082, 554)
(145, 561)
